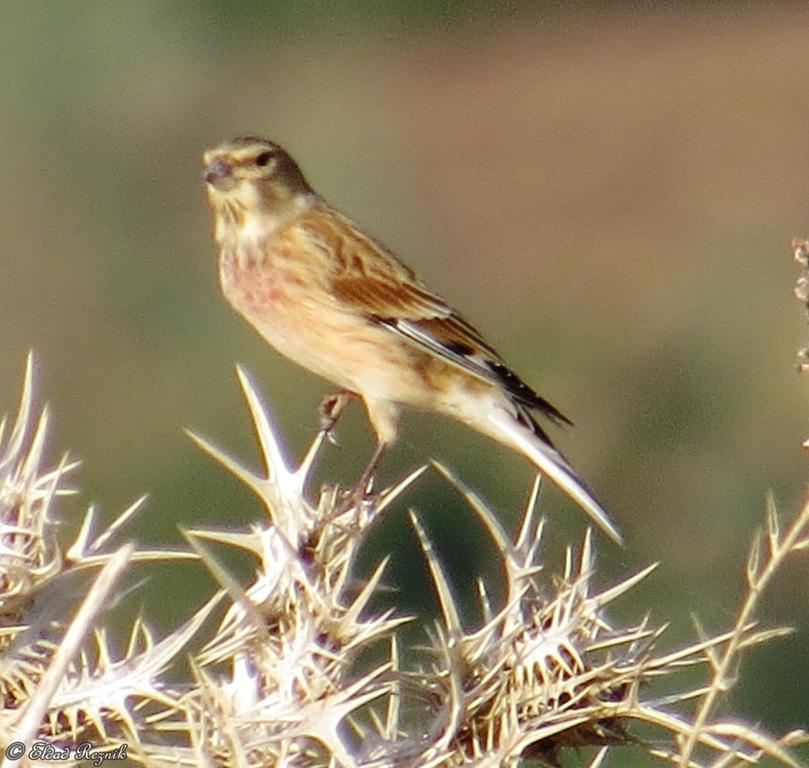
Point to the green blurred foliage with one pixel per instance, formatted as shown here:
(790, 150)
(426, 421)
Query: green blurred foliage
(607, 191)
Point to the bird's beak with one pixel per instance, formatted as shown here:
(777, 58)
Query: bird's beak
(219, 174)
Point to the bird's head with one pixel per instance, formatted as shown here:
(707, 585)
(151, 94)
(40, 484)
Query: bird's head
(250, 177)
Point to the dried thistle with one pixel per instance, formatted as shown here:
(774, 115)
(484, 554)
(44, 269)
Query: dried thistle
(301, 671)
(59, 680)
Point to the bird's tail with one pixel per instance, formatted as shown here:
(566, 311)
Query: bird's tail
(505, 427)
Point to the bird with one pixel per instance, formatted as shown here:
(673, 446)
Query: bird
(336, 300)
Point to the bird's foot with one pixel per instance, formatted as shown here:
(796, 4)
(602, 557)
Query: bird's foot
(330, 409)
(363, 488)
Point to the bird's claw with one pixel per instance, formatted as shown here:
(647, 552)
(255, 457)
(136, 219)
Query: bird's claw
(330, 409)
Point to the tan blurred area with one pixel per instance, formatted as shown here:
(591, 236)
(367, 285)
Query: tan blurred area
(608, 194)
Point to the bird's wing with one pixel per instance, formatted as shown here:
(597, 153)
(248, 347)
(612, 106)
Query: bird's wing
(391, 295)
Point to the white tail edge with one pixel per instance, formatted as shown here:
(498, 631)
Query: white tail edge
(552, 464)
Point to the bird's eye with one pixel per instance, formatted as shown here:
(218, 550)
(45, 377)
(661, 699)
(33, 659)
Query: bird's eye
(263, 159)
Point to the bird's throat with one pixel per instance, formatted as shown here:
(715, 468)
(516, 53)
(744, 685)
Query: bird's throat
(249, 224)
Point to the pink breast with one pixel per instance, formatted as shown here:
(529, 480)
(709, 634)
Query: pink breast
(251, 285)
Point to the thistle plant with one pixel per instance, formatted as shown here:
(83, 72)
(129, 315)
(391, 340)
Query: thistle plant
(300, 669)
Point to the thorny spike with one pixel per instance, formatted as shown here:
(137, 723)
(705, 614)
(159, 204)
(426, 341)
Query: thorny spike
(270, 447)
(20, 428)
(528, 534)
(239, 596)
(389, 495)
(611, 594)
(449, 608)
(475, 503)
(254, 482)
(352, 615)
(119, 522)
(37, 445)
(391, 731)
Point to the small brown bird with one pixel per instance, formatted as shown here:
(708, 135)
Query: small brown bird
(339, 303)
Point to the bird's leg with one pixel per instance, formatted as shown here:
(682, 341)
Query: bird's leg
(330, 409)
(384, 417)
(355, 497)
(361, 488)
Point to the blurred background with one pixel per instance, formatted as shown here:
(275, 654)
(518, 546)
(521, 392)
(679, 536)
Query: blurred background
(607, 191)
